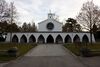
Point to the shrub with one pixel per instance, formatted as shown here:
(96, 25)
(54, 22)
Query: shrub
(85, 52)
(13, 51)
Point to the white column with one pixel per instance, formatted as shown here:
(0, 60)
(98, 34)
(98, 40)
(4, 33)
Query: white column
(45, 40)
(18, 39)
(27, 40)
(36, 40)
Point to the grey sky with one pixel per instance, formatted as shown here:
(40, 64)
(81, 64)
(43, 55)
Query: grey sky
(37, 10)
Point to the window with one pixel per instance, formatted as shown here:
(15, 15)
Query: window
(50, 26)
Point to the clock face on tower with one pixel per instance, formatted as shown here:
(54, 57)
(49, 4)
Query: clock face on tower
(50, 26)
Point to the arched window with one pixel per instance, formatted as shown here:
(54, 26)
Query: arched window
(85, 39)
(23, 39)
(41, 39)
(32, 39)
(76, 39)
(68, 39)
(50, 39)
(59, 39)
(15, 39)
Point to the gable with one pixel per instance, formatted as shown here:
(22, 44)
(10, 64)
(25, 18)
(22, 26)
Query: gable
(50, 20)
(50, 24)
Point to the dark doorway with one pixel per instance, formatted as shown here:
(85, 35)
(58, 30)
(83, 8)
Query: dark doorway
(59, 39)
(68, 39)
(32, 39)
(76, 39)
(15, 39)
(85, 39)
(50, 39)
(23, 39)
(41, 39)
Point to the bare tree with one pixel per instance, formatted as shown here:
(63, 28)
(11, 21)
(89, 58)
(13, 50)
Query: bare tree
(8, 12)
(12, 16)
(3, 10)
(88, 16)
(13, 12)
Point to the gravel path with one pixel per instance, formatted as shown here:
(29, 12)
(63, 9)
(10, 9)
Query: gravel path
(47, 56)
(47, 50)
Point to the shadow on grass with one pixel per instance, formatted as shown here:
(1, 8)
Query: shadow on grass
(75, 48)
(22, 49)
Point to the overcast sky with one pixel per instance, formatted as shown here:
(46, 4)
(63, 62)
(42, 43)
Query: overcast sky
(37, 10)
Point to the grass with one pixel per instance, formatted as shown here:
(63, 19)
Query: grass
(22, 49)
(75, 48)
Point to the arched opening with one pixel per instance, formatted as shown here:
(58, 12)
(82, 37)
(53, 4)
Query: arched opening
(15, 39)
(41, 39)
(32, 39)
(59, 39)
(23, 39)
(85, 39)
(68, 39)
(76, 39)
(50, 39)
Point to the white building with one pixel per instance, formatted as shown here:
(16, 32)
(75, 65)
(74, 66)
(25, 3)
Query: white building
(50, 24)
(49, 31)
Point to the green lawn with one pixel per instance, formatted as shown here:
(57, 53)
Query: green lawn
(75, 48)
(22, 49)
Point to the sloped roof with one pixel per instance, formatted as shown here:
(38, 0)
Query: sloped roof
(52, 19)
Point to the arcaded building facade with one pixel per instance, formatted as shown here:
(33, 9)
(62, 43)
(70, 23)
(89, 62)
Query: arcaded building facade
(49, 31)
